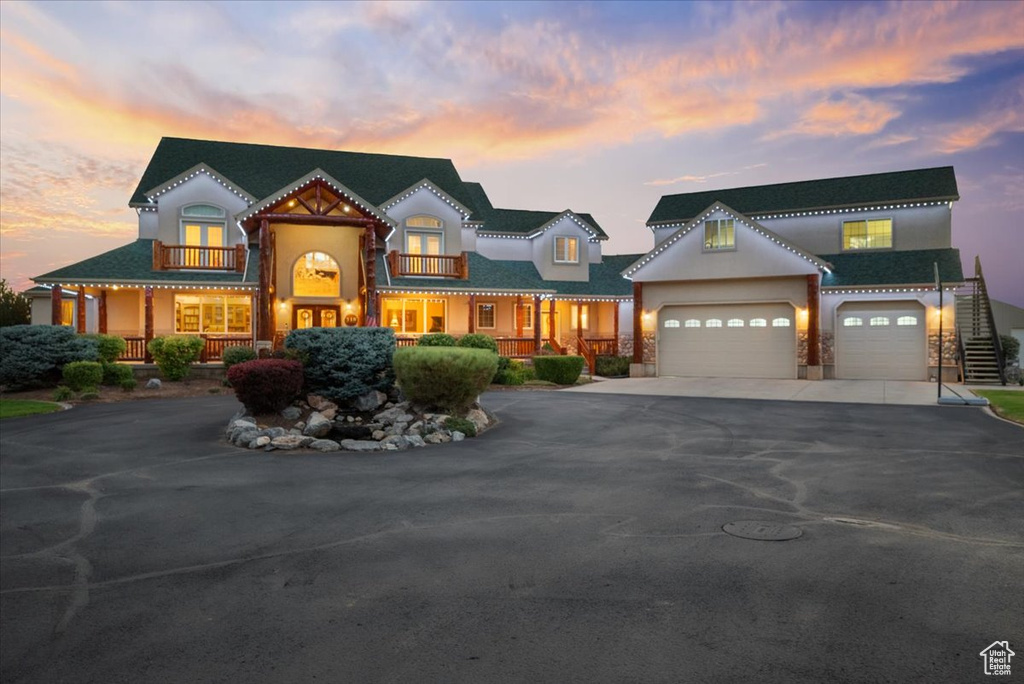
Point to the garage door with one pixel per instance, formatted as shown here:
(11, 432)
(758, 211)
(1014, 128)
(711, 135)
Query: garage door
(881, 341)
(727, 341)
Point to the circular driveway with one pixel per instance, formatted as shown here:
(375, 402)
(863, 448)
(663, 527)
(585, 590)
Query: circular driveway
(579, 540)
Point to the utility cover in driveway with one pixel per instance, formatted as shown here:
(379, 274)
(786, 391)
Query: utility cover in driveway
(727, 341)
(761, 531)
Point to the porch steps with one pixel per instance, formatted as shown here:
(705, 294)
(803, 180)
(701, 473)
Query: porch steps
(978, 340)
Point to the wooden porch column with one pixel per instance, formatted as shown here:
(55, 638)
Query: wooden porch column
(579, 318)
(519, 316)
(101, 309)
(638, 323)
(472, 313)
(552, 333)
(813, 322)
(264, 320)
(149, 323)
(615, 318)
(80, 310)
(536, 324)
(56, 305)
(372, 307)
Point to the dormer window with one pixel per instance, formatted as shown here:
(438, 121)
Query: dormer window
(719, 234)
(424, 235)
(567, 250)
(870, 234)
(203, 225)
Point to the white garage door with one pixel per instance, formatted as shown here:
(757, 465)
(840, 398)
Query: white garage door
(727, 341)
(881, 341)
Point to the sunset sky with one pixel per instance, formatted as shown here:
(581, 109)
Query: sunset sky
(601, 108)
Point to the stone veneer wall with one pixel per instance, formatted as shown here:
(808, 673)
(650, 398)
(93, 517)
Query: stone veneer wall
(949, 351)
(828, 348)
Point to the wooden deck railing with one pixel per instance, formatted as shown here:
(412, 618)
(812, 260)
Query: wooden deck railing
(515, 347)
(213, 349)
(173, 257)
(434, 265)
(136, 350)
(406, 341)
(604, 346)
(586, 352)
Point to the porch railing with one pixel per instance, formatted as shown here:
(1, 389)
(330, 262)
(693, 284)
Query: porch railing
(213, 348)
(515, 347)
(604, 346)
(434, 265)
(586, 352)
(135, 351)
(406, 341)
(173, 257)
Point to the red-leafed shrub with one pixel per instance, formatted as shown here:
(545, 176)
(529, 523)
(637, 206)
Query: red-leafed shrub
(266, 385)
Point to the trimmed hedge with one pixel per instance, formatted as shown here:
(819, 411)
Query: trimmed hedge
(237, 354)
(561, 370)
(109, 347)
(266, 385)
(82, 375)
(175, 354)
(478, 341)
(437, 340)
(343, 363)
(612, 366)
(32, 355)
(510, 372)
(444, 378)
(117, 374)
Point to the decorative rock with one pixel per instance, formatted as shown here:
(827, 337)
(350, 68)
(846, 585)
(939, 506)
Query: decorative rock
(243, 437)
(316, 402)
(395, 442)
(294, 431)
(371, 401)
(415, 441)
(360, 445)
(396, 414)
(317, 426)
(433, 438)
(324, 445)
(291, 413)
(457, 436)
(329, 413)
(478, 418)
(396, 429)
(300, 425)
(379, 435)
(290, 442)
(154, 383)
(260, 441)
(275, 432)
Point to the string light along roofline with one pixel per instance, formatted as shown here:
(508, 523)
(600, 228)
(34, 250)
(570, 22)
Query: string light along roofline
(312, 176)
(199, 169)
(763, 216)
(568, 213)
(427, 184)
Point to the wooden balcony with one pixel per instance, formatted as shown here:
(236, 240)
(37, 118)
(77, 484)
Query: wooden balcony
(175, 257)
(430, 265)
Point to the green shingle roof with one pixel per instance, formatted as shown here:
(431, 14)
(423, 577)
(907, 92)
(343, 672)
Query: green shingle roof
(134, 263)
(937, 184)
(524, 222)
(522, 276)
(263, 169)
(912, 267)
(480, 200)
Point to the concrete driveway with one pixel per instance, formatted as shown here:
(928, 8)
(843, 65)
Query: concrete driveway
(579, 541)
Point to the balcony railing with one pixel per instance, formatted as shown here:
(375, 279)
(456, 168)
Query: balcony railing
(433, 265)
(173, 257)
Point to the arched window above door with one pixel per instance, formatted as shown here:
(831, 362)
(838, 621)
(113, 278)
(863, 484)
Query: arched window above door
(316, 275)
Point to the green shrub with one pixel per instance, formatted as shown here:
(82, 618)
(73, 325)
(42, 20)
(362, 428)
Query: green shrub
(266, 385)
(510, 372)
(478, 341)
(1011, 349)
(437, 340)
(33, 355)
(445, 378)
(561, 370)
(342, 363)
(81, 375)
(115, 374)
(175, 354)
(63, 393)
(237, 354)
(128, 384)
(466, 427)
(612, 366)
(90, 395)
(109, 347)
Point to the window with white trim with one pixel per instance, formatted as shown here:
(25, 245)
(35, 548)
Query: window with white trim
(316, 274)
(203, 225)
(713, 323)
(671, 323)
(877, 321)
(584, 316)
(758, 323)
(527, 316)
(567, 250)
(869, 234)
(852, 322)
(719, 234)
(424, 241)
(781, 323)
(486, 315)
(735, 323)
(212, 314)
(692, 323)
(415, 315)
(906, 320)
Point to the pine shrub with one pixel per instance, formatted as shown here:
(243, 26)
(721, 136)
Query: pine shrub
(175, 354)
(266, 385)
(83, 375)
(33, 355)
(444, 378)
(343, 363)
(561, 370)
(478, 341)
(437, 340)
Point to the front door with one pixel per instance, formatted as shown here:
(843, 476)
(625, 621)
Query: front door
(315, 316)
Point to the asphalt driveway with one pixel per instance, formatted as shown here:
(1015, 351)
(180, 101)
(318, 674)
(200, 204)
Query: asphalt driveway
(579, 541)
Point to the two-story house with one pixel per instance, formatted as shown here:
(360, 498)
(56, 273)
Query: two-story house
(823, 278)
(241, 243)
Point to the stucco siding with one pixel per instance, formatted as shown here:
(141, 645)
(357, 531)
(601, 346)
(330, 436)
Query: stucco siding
(424, 202)
(200, 189)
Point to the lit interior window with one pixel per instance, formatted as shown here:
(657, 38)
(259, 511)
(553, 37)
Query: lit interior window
(879, 321)
(316, 275)
(781, 323)
(853, 322)
(671, 323)
(713, 323)
(735, 323)
(692, 323)
(758, 323)
(906, 320)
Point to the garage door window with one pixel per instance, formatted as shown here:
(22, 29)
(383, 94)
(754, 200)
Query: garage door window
(780, 323)
(852, 322)
(671, 323)
(735, 323)
(692, 323)
(713, 323)
(906, 320)
(758, 323)
(879, 320)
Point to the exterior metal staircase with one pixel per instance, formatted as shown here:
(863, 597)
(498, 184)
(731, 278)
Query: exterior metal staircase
(981, 355)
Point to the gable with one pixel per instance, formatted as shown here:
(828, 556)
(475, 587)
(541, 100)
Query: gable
(757, 253)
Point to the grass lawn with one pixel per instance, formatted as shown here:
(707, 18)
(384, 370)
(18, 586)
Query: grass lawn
(1007, 403)
(15, 408)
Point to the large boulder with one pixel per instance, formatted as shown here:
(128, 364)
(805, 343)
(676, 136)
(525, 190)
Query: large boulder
(360, 445)
(291, 442)
(291, 413)
(371, 401)
(317, 425)
(324, 445)
(478, 418)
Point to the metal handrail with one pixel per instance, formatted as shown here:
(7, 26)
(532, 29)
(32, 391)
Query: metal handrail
(996, 344)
